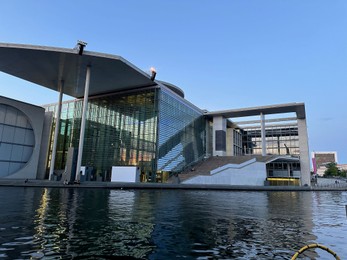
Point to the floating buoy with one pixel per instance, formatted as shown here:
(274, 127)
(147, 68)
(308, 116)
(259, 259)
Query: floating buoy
(315, 246)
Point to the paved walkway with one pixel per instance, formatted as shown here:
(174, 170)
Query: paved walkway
(331, 182)
(113, 185)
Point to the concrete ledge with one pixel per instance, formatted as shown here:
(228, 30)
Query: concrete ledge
(113, 185)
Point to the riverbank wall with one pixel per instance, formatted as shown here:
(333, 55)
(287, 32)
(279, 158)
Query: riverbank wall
(120, 185)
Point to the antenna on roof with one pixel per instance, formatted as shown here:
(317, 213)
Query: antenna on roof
(153, 72)
(80, 46)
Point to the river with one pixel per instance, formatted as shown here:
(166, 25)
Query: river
(68, 223)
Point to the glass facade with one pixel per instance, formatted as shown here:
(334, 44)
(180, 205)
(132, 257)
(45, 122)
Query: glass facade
(121, 129)
(153, 129)
(283, 169)
(161, 133)
(65, 133)
(181, 139)
(280, 140)
(237, 142)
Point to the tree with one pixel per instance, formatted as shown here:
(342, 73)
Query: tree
(331, 170)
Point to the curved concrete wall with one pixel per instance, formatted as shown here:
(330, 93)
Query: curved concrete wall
(34, 116)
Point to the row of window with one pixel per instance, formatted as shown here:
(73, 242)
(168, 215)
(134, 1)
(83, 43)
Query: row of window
(279, 140)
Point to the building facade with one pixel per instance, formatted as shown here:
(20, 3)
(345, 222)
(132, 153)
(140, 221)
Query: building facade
(122, 116)
(278, 133)
(152, 128)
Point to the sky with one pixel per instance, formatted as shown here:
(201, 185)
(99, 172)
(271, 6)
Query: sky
(224, 54)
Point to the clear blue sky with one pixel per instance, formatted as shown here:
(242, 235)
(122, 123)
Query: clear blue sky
(224, 54)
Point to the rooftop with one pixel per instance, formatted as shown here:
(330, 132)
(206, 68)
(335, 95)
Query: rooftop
(48, 66)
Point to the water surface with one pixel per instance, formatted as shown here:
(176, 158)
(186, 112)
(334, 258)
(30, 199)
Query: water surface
(41, 223)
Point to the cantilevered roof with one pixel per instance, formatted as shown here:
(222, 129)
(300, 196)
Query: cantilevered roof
(298, 108)
(46, 66)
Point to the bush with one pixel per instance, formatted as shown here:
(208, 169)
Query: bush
(333, 171)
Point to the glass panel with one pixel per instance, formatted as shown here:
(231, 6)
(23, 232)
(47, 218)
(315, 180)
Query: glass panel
(181, 133)
(121, 129)
(280, 140)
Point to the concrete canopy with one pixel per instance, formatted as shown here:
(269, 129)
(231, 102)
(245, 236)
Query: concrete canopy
(47, 66)
(298, 108)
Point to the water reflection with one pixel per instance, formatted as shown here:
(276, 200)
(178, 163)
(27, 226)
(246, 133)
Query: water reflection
(165, 224)
(232, 225)
(329, 215)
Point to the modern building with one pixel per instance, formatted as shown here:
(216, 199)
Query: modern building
(152, 128)
(122, 116)
(272, 146)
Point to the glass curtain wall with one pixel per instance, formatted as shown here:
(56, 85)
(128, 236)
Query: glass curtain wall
(65, 133)
(237, 142)
(280, 140)
(283, 140)
(181, 139)
(121, 130)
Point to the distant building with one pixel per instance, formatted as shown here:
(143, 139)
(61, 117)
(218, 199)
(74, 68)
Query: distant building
(321, 159)
(342, 167)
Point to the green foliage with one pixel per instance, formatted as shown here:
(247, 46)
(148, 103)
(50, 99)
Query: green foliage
(333, 171)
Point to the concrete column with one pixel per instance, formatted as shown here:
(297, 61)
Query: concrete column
(304, 153)
(230, 142)
(219, 136)
(45, 145)
(56, 131)
(83, 125)
(208, 134)
(263, 134)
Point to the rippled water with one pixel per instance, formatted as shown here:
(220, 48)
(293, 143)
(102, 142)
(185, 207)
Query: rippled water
(40, 223)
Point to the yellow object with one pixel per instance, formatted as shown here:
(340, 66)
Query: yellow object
(273, 181)
(314, 246)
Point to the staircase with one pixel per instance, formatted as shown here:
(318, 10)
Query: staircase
(205, 166)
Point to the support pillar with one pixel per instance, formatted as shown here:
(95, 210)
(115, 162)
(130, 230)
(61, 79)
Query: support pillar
(56, 131)
(304, 153)
(208, 146)
(263, 134)
(219, 136)
(83, 125)
(230, 142)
